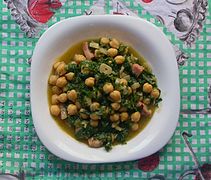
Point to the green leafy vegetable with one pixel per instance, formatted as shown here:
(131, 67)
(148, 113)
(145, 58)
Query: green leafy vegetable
(96, 123)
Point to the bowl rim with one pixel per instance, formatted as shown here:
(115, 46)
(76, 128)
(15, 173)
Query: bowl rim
(54, 148)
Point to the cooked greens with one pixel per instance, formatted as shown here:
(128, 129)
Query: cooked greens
(103, 93)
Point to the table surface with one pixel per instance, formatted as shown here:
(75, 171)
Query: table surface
(21, 24)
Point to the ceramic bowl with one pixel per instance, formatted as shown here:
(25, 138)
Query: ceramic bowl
(145, 38)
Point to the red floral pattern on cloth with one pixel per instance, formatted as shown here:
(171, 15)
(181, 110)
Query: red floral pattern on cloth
(42, 10)
(147, 1)
(206, 172)
(149, 163)
(32, 15)
(184, 18)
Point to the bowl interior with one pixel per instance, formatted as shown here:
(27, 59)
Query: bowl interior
(146, 39)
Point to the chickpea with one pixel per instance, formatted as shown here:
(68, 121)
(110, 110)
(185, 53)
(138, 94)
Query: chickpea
(55, 110)
(155, 93)
(56, 90)
(95, 143)
(94, 123)
(61, 82)
(114, 117)
(94, 116)
(136, 116)
(69, 76)
(108, 87)
(115, 96)
(119, 59)
(62, 97)
(78, 58)
(61, 69)
(134, 126)
(114, 43)
(115, 106)
(52, 79)
(104, 40)
(90, 81)
(56, 65)
(94, 106)
(83, 114)
(112, 52)
(54, 99)
(123, 82)
(124, 116)
(72, 109)
(147, 88)
(72, 95)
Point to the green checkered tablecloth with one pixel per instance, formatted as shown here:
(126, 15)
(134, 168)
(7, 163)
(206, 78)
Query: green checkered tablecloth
(21, 148)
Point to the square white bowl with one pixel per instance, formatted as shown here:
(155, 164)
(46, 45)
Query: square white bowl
(146, 39)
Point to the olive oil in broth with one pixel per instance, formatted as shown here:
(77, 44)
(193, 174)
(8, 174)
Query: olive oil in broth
(67, 57)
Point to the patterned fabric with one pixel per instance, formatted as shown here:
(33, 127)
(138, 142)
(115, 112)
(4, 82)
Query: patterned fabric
(182, 17)
(20, 148)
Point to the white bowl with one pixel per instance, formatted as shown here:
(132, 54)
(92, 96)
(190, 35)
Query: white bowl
(149, 41)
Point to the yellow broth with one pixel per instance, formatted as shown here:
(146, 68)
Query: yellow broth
(67, 57)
